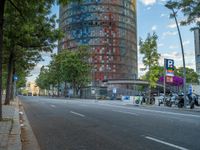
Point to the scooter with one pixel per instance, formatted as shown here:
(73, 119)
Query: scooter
(180, 100)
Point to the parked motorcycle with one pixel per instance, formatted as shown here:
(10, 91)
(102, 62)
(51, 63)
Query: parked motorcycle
(168, 100)
(193, 100)
(180, 100)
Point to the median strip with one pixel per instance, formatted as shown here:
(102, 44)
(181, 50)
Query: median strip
(78, 114)
(165, 143)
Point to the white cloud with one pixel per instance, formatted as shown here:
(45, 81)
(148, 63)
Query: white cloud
(160, 44)
(148, 8)
(148, 2)
(163, 15)
(34, 73)
(186, 42)
(172, 25)
(177, 57)
(141, 70)
(173, 47)
(154, 28)
(197, 19)
(170, 33)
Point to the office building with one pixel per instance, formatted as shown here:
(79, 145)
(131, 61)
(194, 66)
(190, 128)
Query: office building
(108, 27)
(197, 49)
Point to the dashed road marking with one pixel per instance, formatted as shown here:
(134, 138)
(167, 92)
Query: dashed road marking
(130, 113)
(53, 106)
(165, 143)
(78, 114)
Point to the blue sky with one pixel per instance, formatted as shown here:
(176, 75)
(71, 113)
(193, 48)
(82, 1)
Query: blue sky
(153, 16)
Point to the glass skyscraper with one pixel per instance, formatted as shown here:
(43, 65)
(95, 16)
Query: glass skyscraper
(109, 28)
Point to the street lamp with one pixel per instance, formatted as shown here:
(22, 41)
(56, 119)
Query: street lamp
(170, 5)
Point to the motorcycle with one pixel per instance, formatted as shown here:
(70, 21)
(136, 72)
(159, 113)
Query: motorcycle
(168, 100)
(180, 100)
(193, 100)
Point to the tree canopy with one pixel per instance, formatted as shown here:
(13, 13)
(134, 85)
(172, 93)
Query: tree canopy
(72, 67)
(148, 48)
(26, 28)
(191, 75)
(189, 8)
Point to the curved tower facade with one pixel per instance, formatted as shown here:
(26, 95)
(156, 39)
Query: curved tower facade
(109, 28)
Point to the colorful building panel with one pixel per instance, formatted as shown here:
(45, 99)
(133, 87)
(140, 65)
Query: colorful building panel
(109, 28)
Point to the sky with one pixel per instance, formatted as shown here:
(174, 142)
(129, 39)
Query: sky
(152, 16)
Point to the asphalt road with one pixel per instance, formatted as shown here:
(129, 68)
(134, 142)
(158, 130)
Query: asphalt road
(95, 125)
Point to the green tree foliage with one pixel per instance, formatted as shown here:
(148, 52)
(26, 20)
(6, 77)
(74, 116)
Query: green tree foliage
(68, 66)
(191, 75)
(26, 37)
(150, 59)
(75, 67)
(43, 79)
(25, 12)
(148, 48)
(189, 8)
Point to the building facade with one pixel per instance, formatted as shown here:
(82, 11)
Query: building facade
(108, 27)
(197, 49)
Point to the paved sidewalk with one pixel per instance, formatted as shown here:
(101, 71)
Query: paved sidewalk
(128, 103)
(10, 130)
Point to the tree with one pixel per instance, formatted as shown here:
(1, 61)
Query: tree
(43, 79)
(149, 49)
(26, 38)
(2, 4)
(173, 7)
(19, 7)
(71, 67)
(191, 75)
(75, 67)
(190, 9)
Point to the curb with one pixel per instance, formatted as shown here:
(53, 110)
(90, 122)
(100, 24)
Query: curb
(14, 139)
(29, 141)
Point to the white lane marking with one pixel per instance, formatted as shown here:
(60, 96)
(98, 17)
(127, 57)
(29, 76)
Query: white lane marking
(83, 105)
(75, 113)
(165, 143)
(130, 113)
(53, 106)
(156, 111)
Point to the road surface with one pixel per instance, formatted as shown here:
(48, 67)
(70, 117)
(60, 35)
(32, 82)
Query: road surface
(60, 124)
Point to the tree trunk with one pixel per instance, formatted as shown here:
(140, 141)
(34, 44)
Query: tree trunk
(9, 79)
(65, 89)
(149, 99)
(2, 4)
(58, 89)
(13, 84)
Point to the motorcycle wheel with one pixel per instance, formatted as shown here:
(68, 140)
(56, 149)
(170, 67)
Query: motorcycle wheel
(192, 105)
(180, 105)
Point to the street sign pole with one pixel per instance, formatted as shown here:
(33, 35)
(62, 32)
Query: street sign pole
(164, 80)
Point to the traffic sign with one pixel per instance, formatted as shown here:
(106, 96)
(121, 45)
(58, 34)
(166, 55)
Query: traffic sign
(169, 66)
(15, 77)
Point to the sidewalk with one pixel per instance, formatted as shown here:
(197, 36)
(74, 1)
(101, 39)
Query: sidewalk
(10, 130)
(128, 103)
